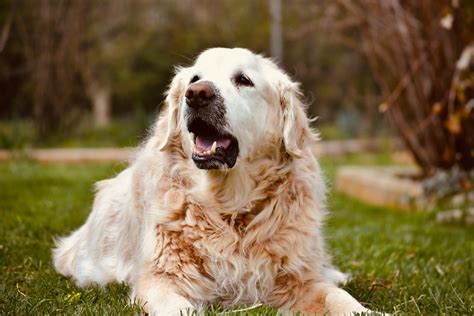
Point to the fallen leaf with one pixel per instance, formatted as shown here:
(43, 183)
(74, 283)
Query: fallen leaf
(411, 253)
(437, 107)
(380, 283)
(453, 124)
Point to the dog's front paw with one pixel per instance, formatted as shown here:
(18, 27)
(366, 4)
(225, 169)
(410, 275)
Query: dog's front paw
(173, 305)
(339, 302)
(158, 298)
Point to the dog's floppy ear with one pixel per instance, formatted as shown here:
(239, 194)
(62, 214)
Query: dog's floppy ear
(168, 124)
(296, 129)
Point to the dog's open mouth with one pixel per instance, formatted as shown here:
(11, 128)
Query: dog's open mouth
(212, 148)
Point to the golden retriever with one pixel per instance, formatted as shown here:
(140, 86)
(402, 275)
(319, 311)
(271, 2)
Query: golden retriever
(224, 203)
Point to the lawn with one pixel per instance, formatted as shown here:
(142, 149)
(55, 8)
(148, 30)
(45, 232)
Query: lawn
(401, 263)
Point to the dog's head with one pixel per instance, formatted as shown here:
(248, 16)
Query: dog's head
(230, 105)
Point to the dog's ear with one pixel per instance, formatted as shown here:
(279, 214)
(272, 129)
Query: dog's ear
(296, 129)
(167, 128)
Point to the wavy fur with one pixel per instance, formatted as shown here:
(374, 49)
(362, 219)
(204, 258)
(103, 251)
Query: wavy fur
(183, 237)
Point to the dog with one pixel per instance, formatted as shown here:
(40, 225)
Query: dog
(223, 203)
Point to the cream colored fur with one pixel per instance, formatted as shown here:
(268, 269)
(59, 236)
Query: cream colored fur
(184, 237)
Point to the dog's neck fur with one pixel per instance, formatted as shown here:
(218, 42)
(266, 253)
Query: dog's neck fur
(240, 189)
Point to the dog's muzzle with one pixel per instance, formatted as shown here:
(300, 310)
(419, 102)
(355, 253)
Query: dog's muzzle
(213, 146)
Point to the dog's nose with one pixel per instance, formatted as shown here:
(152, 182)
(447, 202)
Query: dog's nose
(199, 94)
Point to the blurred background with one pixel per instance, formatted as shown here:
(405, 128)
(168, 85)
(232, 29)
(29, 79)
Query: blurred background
(391, 82)
(93, 73)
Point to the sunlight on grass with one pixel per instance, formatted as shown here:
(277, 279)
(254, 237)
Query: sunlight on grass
(399, 262)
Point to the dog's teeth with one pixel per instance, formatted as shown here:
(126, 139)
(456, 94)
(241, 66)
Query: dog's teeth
(213, 148)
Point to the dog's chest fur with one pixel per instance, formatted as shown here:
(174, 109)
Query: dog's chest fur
(238, 255)
(217, 257)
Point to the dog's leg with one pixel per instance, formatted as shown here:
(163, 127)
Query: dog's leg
(159, 298)
(336, 276)
(326, 298)
(103, 249)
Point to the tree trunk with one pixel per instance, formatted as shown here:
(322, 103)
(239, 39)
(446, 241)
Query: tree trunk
(276, 40)
(99, 95)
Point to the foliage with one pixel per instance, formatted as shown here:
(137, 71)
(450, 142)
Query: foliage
(400, 263)
(121, 132)
(15, 135)
(422, 55)
(450, 189)
(56, 53)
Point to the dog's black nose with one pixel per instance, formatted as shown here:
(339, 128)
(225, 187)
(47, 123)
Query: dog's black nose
(199, 94)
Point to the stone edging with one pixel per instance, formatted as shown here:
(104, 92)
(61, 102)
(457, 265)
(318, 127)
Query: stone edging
(380, 186)
(71, 155)
(79, 155)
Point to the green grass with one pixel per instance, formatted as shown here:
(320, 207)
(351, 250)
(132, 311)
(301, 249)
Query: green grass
(400, 262)
(122, 132)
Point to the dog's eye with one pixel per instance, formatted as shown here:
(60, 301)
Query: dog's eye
(242, 80)
(194, 79)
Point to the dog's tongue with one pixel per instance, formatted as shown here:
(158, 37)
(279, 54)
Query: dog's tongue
(206, 142)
